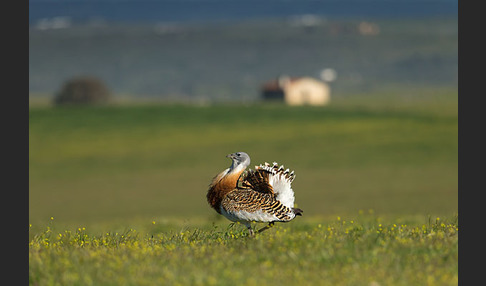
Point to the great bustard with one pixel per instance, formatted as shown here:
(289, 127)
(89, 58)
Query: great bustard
(261, 195)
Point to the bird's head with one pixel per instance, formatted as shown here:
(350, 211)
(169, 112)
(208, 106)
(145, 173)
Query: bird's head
(240, 160)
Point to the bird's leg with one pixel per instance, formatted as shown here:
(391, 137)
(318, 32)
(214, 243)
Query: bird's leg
(252, 233)
(270, 224)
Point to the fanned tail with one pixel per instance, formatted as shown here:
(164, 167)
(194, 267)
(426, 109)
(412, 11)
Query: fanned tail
(281, 180)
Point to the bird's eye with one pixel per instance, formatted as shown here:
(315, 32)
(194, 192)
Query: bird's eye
(238, 154)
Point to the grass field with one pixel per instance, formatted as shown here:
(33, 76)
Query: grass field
(364, 251)
(126, 184)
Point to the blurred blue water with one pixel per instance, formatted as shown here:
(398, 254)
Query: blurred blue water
(225, 10)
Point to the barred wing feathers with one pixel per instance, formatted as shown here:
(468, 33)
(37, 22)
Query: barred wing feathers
(257, 180)
(249, 205)
(272, 179)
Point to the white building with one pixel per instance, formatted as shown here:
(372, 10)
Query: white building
(297, 91)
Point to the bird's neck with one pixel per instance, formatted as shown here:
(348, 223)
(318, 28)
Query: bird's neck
(222, 184)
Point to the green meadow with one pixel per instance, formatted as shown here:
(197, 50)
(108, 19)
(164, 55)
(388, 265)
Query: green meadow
(117, 193)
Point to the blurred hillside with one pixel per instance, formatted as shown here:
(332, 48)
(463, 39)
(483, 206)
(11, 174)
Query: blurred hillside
(230, 60)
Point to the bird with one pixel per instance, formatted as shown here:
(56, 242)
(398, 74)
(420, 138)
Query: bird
(261, 195)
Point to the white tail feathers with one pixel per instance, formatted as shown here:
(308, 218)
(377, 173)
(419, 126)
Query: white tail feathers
(281, 180)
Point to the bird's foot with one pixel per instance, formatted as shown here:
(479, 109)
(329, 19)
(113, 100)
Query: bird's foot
(270, 224)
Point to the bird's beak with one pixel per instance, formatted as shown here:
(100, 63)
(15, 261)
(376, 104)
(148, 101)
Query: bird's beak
(229, 156)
